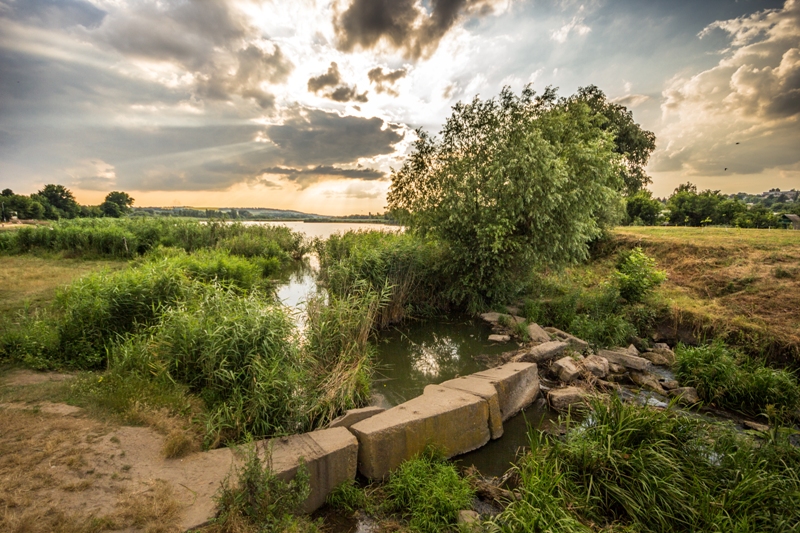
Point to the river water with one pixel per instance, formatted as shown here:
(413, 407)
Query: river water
(416, 354)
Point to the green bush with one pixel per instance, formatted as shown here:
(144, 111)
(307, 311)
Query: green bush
(347, 497)
(633, 468)
(429, 492)
(29, 339)
(636, 275)
(603, 332)
(734, 381)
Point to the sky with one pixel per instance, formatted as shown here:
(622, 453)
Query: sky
(308, 105)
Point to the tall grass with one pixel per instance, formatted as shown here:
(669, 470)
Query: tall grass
(128, 238)
(634, 468)
(731, 380)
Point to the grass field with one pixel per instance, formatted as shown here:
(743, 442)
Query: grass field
(743, 283)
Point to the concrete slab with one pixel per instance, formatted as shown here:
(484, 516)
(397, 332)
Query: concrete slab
(537, 334)
(330, 455)
(566, 369)
(485, 389)
(517, 386)
(622, 357)
(543, 352)
(355, 415)
(455, 421)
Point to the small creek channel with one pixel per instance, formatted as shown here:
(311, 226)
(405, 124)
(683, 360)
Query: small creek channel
(417, 354)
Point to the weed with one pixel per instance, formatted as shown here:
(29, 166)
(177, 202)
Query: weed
(178, 443)
(348, 497)
(429, 492)
(605, 332)
(636, 275)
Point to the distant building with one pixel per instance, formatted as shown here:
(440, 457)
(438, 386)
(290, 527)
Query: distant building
(790, 221)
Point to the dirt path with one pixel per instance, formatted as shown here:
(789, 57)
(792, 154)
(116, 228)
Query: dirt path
(61, 470)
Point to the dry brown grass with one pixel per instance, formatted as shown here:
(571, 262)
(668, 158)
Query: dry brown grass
(739, 284)
(32, 280)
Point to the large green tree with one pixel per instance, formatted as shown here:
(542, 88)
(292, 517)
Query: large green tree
(512, 182)
(643, 209)
(116, 204)
(58, 202)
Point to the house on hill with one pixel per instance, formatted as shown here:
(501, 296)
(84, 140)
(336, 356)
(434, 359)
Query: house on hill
(790, 221)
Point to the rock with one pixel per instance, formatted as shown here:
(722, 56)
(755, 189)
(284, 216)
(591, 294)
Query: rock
(647, 381)
(330, 456)
(626, 359)
(537, 334)
(579, 345)
(755, 426)
(492, 318)
(661, 346)
(631, 349)
(469, 521)
(517, 319)
(517, 386)
(486, 390)
(541, 353)
(665, 352)
(499, 338)
(455, 421)
(352, 416)
(614, 368)
(512, 309)
(669, 384)
(596, 365)
(685, 395)
(657, 358)
(566, 369)
(563, 399)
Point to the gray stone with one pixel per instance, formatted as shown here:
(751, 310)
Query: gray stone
(579, 345)
(656, 358)
(631, 349)
(537, 334)
(492, 318)
(669, 384)
(352, 416)
(499, 338)
(664, 351)
(596, 365)
(454, 421)
(685, 395)
(647, 381)
(614, 368)
(486, 390)
(625, 359)
(563, 399)
(517, 386)
(469, 520)
(566, 369)
(330, 456)
(541, 353)
(517, 319)
(755, 426)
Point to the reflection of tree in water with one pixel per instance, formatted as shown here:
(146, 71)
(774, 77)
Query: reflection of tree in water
(437, 357)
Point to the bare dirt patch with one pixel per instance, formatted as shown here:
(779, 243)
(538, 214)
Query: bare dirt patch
(72, 473)
(22, 377)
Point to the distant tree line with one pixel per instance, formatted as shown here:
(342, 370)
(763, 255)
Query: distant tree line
(688, 207)
(54, 202)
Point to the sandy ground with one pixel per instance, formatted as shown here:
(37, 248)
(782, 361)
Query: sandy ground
(61, 470)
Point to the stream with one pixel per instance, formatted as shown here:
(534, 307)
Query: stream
(416, 354)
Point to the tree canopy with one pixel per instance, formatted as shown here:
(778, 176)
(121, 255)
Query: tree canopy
(512, 182)
(116, 204)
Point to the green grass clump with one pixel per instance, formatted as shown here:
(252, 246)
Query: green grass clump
(734, 381)
(428, 492)
(347, 497)
(633, 468)
(253, 499)
(603, 332)
(636, 275)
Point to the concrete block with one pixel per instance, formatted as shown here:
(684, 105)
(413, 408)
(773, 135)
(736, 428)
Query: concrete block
(543, 352)
(566, 369)
(499, 338)
(596, 365)
(331, 456)
(537, 334)
(352, 416)
(455, 421)
(625, 359)
(517, 386)
(563, 399)
(486, 390)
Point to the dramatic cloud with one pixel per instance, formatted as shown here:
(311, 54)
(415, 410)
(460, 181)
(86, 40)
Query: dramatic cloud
(741, 114)
(576, 25)
(384, 80)
(631, 100)
(53, 13)
(403, 24)
(307, 176)
(338, 91)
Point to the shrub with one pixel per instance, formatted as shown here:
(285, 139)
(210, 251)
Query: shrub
(347, 497)
(429, 492)
(636, 275)
(603, 332)
(734, 381)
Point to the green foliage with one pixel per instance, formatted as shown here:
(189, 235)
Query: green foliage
(429, 492)
(116, 204)
(256, 500)
(733, 381)
(634, 468)
(347, 497)
(603, 332)
(28, 338)
(643, 209)
(636, 275)
(689, 208)
(514, 182)
(58, 202)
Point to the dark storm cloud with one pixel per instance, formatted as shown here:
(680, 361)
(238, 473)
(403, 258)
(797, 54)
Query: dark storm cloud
(323, 170)
(53, 13)
(332, 78)
(384, 80)
(317, 137)
(402, 24)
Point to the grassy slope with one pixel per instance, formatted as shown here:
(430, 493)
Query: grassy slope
(31, 280)
(741, 283)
